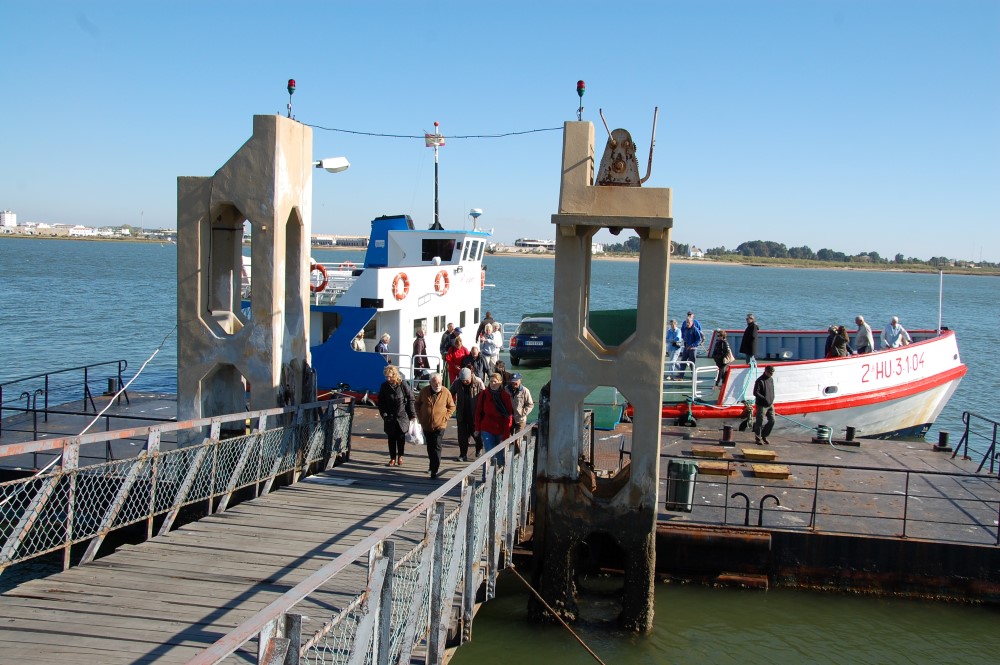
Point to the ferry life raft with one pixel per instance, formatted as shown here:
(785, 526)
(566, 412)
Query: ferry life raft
(890, 393)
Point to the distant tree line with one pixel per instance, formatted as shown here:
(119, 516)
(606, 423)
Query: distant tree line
(776, 250)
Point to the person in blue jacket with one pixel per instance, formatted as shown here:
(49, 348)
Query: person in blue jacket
(692, 337)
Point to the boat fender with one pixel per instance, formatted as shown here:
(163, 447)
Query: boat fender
(400, 286)
(316, 288)
(442, 282)
(482, 280)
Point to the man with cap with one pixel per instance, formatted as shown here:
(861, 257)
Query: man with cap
(520, 397)
(763, 394)
(465, 392)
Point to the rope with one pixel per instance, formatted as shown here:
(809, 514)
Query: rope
(556, 615)
(111, 401)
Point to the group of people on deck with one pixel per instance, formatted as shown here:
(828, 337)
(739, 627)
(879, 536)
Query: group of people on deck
(683, 342)
(488, 403)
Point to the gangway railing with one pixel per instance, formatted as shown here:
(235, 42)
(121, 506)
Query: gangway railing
(975, 425)
(404, 613)
(59, 384)
(73, 504)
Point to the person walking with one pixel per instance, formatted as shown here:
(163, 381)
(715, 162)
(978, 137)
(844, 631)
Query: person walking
(722, 354)
(748, 345)
(383, 347)
(675, 346)
(520, 398)
(693, 338)
(395, 405)
(494, 416)
(421, 364)
(482, 324)
(478, 363)
(453, 359)
(490, 344)
(895, 335)
(863, 340)
(447, 340)
(434, 407)
(465, 392)
(763, 394)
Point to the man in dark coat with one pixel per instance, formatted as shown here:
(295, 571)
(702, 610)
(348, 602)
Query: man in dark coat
(763, 395)
(420, 362)
(748, 345)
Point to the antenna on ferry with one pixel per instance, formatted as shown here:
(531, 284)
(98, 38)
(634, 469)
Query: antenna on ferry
(435, 141)
(475, 214)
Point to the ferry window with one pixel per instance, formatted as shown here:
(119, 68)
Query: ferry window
(370, 329)
(475, 315)
(465, 251)
(482, 246)
(331, 321)
(418, 325)
(461, 319)
(439, 324)
(473, 248)
(434, 247)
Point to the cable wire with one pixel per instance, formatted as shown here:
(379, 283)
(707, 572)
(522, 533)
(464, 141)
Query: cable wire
(421, 136)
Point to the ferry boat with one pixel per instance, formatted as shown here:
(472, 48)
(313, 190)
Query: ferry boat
(896, 392)
(410, 280)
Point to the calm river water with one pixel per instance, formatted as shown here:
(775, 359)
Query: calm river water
(69, 303)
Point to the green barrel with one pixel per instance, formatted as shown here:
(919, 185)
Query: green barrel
(681, 475)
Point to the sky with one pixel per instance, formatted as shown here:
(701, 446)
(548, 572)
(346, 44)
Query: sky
(853, 125)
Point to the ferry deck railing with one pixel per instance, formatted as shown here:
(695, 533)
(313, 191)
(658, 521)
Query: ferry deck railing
(70, 383)
(251, 451)
(402, 614)
(984, 429)
(856, 500)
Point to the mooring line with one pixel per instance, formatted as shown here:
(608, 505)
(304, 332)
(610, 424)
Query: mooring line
(556, 615)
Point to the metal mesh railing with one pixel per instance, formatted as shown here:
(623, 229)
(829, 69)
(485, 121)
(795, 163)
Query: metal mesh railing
(410, 596)
(73, 504)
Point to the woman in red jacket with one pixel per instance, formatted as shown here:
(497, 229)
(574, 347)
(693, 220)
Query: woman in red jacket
(494, 415)
(454, 359)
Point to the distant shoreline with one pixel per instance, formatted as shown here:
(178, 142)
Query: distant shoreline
(751, 262)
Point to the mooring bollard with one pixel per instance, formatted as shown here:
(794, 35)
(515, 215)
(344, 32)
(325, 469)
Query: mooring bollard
(727, 435)
(850, 433)
(942, 445)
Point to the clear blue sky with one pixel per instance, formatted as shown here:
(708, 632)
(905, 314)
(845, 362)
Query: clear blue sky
(853, 125)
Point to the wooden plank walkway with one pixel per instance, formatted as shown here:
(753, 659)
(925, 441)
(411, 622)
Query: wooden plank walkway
(169, 598)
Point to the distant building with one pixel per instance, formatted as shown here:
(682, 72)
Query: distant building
(8, 218)
(82, 232)
(531, 243)
(695, 253)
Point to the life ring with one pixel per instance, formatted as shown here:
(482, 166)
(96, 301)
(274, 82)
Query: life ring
(482, 280)
(442, 282)
(316, 288)
(347, 265)
(400, 286)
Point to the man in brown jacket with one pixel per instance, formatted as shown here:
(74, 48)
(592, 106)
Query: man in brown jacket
(434, 407)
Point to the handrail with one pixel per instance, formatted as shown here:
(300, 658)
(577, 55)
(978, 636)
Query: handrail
(257, 625)
(963, 444)
(811, 495)
(47, 390)
(74, 503)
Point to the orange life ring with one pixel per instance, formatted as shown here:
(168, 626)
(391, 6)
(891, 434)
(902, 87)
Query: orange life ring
(482, 280)
(316, 288)
(401, 279)
(442, 282)
(347, 265)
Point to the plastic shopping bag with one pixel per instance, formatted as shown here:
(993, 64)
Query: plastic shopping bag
(416, 433)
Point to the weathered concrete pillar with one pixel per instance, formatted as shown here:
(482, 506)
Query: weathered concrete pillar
(568, 510)
(268, 182)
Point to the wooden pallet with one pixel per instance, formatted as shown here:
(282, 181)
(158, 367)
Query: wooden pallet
(758, 454)
(715, 468)
(777, 471)
(711, 452)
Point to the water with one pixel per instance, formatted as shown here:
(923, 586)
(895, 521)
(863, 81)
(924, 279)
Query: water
(68, 303)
